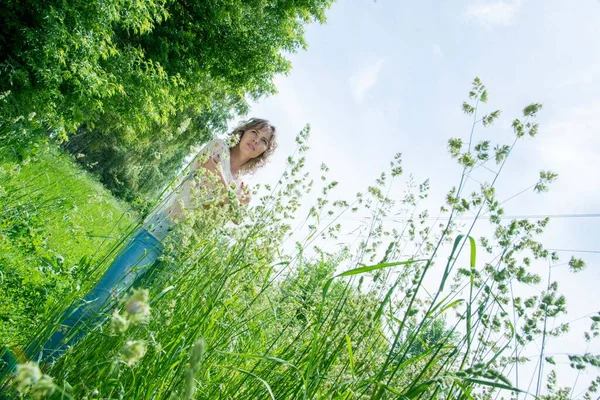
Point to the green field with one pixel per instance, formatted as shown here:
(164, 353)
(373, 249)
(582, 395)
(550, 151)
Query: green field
(397, 291)
(57, 223)
(233, 315)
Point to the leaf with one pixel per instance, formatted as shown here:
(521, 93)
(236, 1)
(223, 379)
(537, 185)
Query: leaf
(366, 268)
(417, 390)
(473, 260)
(257, 356)
(350, 355)
(423, 355)
(161, 294)
(370, 268)
(252, 375)
(497, 385)
(454, 247)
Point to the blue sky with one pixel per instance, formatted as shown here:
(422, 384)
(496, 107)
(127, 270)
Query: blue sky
(389, 76)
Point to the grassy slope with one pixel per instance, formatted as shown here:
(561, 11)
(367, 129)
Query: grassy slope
(56, 222)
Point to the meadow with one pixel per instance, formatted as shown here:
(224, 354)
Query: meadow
(57, 224)
(236, 315)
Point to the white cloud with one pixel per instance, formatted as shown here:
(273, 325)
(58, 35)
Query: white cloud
(570, 146)
(582, 76)
(496, 13)
(437, 51)
(364, 79)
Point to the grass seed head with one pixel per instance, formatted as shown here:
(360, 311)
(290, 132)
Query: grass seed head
(190, 385)
(30, 380)
(133, 351)
(43, 388)
(137, 308)
(196, 354)
(28, 374)
(118, 323)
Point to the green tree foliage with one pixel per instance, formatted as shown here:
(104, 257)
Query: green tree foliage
(137, 167)
(126, 77)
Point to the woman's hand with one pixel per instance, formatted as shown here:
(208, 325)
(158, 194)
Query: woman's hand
(245, 194)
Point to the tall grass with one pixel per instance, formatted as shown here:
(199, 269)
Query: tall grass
(233, 316)
(56, 224)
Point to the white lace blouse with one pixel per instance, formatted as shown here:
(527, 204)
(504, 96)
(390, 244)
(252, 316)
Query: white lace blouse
(178, 197)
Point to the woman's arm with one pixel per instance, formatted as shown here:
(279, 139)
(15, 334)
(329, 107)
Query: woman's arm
(214, 166)
(205, 169)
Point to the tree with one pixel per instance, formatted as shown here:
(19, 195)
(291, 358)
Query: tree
(119, 75)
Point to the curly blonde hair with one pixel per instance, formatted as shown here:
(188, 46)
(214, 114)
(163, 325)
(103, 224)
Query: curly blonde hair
(236, 135)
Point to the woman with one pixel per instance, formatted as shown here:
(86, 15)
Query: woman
(256, 141)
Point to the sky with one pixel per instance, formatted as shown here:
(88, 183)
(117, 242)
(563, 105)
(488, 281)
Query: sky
(384, 76)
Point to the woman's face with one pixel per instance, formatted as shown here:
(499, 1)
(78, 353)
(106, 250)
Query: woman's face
(255, 141)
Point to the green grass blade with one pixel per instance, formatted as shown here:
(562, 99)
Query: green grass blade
(350, 355)
(473, 260)
(369, 268)
(252, 375)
